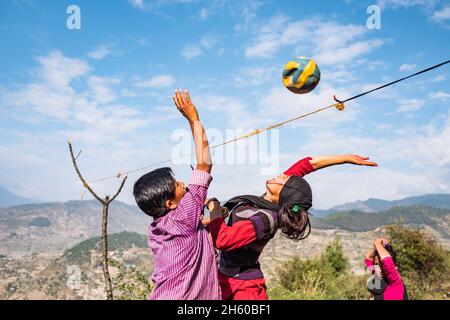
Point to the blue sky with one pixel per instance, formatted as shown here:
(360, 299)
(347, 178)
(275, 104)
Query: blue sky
(108, 87)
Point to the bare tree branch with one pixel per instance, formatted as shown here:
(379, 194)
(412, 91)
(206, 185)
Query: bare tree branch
(78, 155)
(120, 189)
(105, 202)
(85, 184)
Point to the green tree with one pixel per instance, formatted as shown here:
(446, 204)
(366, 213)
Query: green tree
(334, 256)
(131, 283)
(421, 261)
(326, 277)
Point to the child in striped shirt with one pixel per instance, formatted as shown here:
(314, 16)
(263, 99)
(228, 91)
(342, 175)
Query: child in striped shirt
(185, 267)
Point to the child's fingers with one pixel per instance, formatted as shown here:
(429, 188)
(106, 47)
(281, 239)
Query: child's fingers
(175, 100)
(188, 97)
(176, 103)
(183, 96)
(178, 98)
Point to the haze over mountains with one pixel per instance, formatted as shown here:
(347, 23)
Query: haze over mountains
(8, 198)
(42, 242)
(55, 227)
(439, 201)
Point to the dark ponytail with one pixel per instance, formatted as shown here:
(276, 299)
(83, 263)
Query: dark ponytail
(294, 222)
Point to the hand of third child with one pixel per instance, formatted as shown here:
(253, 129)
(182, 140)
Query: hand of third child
(184, 104)
(379, 242)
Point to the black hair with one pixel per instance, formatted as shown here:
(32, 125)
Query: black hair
(153, 189)
(294, 222)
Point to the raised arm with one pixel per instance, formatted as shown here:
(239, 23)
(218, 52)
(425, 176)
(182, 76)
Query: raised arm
(328, 161)
(202, 153)
(378, 245)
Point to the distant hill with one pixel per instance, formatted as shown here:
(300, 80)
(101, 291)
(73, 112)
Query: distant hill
(55, 227)
(79, 253)
(415, 216)
(77, 273)
(439, 201)
(9, 199)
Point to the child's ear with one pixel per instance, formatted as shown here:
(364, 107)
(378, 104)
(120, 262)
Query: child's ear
(170, 204)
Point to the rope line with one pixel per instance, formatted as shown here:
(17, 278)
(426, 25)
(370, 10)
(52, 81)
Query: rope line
(339, 105)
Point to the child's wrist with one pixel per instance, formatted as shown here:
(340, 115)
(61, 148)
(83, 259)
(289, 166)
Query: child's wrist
(194, 119)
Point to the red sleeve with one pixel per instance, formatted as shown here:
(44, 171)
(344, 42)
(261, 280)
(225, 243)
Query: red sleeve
(301, 168)
(227, 238)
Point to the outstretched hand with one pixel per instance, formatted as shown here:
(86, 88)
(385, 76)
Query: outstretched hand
(184, 105)
(361, 161)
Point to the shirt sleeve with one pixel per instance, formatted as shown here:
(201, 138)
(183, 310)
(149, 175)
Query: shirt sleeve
(301, 168)
(390, 270)
(190, 208)
(227, 238)
(368, 263)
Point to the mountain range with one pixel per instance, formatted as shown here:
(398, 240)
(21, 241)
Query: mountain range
(9, 199)
(439, 201)
(54, 227)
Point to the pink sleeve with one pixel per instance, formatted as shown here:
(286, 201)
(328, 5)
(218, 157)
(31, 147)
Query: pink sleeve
(301, 168)
(390, 270)
(368, 263)
(190, 207)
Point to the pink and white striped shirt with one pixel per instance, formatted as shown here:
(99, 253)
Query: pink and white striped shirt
(185, 267)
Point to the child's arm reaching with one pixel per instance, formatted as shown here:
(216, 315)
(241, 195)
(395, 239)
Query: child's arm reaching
(191, 204)
(308, 165)
(327, 161)
(202, 153)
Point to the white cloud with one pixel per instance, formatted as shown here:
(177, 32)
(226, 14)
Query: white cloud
(344, 54)
(406, 3)
(100, 53)
(208, 42)
(51, 93)
(234, 110)
(46, 99)
(255, 76)
(407, 67)
(411, 162)
(155, 6)
(443, 96)
(161, 81)
(409, 105)
(282, 104)
(441, 15)
(101, 90)
(205, 44)
(274, 34)
(106, 132)
(58, 70)
(89, 112)
(191, 52)
(140, 4)
(329, 42)
(439, 78)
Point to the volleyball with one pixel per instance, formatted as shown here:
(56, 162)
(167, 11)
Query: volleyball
(301, 75)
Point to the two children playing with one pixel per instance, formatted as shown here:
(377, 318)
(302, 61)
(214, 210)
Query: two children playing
(184, 257)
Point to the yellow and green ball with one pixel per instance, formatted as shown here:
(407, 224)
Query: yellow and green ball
(301, 75)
